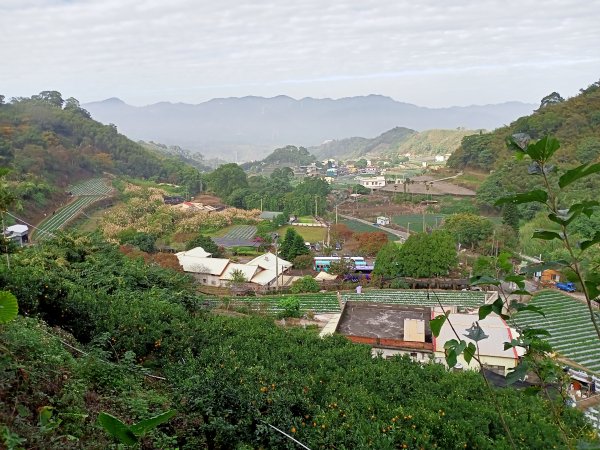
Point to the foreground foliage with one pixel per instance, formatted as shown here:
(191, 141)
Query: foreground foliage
(227, 378)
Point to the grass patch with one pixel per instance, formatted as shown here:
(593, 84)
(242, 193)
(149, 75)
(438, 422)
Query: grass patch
(309, 234)
(306, 219)
(416, 221)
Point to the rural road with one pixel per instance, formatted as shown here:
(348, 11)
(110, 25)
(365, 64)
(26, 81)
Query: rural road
(401, 234)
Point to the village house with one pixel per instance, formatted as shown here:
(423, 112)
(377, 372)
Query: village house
(261, 272)
(393, 329)
(371, 182)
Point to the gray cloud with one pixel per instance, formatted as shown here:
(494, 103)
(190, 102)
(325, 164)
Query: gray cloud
(426, 52)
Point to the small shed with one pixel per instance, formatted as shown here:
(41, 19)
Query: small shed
(383, 220)
(18, 233)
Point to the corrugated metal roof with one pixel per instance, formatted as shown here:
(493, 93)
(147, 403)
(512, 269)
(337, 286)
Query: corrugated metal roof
(198, 252)
(265, 277)
(267, 262)
(248, 271)
(213, 266)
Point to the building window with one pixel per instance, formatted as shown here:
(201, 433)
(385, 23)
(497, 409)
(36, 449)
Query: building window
(204, 280)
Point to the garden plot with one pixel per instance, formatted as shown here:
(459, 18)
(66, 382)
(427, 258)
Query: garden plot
(328, 302)
(85, 193)
(63, 216)
(568, 322)
(238, 236)
(94, 186)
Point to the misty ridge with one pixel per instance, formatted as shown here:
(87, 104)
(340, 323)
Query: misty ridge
(249, 128)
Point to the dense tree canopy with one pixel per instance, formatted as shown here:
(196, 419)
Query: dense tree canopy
(428, 255)
(388, 261)
(226, 179)
(226, 377)
(468, 229)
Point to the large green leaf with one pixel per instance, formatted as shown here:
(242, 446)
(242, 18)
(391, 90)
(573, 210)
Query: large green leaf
(587, 244)
(143, 426)
(546, 235)
(537, 195)
(518, 373)
(436, 324)
(117, 429)
(578, 172)
(9, 307)
(469, 352)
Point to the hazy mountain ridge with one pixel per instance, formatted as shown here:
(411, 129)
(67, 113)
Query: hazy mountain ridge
(248, 128)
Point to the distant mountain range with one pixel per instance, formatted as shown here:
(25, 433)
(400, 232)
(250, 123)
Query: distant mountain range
(248, 128)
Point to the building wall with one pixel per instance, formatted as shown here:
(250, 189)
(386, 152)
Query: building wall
(492, 361)
(209, 280)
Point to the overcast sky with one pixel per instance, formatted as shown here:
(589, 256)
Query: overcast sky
(431, 53)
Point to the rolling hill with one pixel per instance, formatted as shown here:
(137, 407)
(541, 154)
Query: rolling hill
(248, 128)
(397, 141)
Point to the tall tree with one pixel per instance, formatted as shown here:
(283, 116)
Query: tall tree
(226, 179)
(468, 229)
(428, 255)
(387, 263)
(510, 216)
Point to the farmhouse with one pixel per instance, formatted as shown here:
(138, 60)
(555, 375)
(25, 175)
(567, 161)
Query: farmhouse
(261, 272)
(393, 328)
(371, 182)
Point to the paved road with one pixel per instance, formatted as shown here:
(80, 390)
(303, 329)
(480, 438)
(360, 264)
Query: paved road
(403, 235)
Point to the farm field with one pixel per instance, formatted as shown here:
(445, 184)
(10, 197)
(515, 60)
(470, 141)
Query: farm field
(416, 221)
(94, 186)
(309, 234)
(328, 303)
(85, 193)
(572, 334)
(63, 216)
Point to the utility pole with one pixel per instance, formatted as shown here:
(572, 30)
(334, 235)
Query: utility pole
(261, 205)
(336, 214)
(316, 211)
(408, 229)
(276, 236)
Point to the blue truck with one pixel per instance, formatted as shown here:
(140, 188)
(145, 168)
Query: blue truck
(568, 287)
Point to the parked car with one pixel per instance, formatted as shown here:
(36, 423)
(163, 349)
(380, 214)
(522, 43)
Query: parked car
(568, 287)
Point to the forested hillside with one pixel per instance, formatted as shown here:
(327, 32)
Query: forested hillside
(355, 147)
(102, 333)
(288, 156)
(48, 143)
(574, 122)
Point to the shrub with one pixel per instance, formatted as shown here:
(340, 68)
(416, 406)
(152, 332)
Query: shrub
(305, 284)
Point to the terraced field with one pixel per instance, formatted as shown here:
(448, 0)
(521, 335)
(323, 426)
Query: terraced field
(86, 193)
(328, 303)
(94, 186)
(568, 321)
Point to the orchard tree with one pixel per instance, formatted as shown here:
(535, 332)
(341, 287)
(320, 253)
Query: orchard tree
(387, 263)
(468, 229)
(226, 179)
(206, 243)
(369, 243)
(428, 255)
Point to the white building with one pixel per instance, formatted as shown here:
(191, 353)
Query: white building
(491, 349)
(382, 220)
(18, 233)
(371, 182)
(261, 271)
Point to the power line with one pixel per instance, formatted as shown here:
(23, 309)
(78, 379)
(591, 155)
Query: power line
(28, 224)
